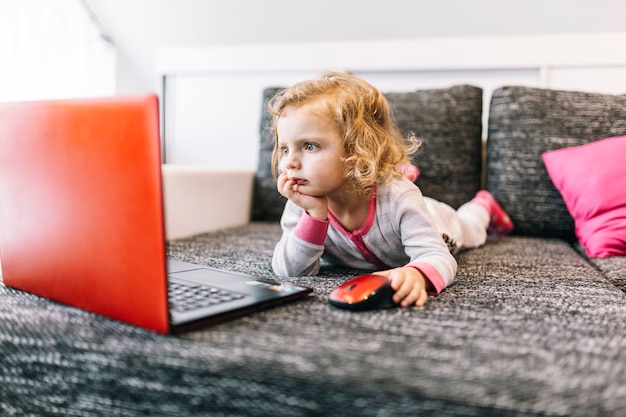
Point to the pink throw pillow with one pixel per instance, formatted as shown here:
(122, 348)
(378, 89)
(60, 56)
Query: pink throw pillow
(592, 180)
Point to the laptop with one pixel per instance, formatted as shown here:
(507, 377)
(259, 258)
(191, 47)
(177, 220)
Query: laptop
(82, 219)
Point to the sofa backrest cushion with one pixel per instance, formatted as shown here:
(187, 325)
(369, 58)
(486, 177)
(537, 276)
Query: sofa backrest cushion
(524, 122)
(448, 121)
(267, 203)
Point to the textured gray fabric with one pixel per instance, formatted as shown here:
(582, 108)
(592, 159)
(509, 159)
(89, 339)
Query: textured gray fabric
(267, 203)
(448, 121)
(524, 122)
(613, 268)
(529, 328)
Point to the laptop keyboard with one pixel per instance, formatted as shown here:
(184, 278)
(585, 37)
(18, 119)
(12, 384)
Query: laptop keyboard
(186, 297)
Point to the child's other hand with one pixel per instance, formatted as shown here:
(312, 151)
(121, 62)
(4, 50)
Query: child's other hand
(316, 207)
(409, 284)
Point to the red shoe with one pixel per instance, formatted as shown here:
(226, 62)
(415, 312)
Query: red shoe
(500, 223)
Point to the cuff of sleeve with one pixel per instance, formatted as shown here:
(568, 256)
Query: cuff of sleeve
(311, 230)
(431, 275)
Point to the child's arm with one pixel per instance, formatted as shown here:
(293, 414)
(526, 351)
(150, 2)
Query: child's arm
(431, 267)
(302, 243)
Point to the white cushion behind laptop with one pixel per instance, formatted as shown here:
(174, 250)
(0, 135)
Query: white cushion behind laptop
(201, 199)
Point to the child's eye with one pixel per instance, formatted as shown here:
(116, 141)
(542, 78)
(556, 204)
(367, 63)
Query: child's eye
(311, 147)
(284, 150)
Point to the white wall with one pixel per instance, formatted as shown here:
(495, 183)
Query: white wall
(140, 27)
(207, 120)
(212, 95)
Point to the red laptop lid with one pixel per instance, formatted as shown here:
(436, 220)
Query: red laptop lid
(81, 215)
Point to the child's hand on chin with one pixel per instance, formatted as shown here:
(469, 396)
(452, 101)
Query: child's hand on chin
(316, 207)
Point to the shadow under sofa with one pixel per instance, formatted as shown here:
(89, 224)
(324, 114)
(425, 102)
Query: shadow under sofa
(531, 326)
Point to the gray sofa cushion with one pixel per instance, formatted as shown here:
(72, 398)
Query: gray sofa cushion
(528, 329)
(613, 267)
(267, 203)
(448, 121)
(524, 122)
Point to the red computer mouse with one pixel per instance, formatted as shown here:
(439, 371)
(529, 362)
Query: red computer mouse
(364, 292)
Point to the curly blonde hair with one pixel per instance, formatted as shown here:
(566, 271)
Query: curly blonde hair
(372, 140)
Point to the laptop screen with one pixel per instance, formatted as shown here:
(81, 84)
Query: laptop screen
(81, 215)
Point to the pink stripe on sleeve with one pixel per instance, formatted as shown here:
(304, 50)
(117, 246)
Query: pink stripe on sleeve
(431, 275)
(311, 230)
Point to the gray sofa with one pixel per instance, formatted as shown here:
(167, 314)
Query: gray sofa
(531, 326)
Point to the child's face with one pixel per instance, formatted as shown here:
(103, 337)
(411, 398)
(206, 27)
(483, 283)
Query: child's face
(311, 150)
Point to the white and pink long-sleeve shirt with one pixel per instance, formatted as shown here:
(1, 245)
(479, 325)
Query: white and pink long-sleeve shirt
(398, 232)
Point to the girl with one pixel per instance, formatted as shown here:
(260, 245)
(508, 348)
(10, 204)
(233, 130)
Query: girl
(338, 158)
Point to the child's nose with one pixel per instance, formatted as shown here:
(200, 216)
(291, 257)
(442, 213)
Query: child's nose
(291, 161)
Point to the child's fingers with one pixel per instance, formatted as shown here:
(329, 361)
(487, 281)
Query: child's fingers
(408, 290)
(422, 298)
(402, 288)
(413, 296)
(285, 186)
(394, 278)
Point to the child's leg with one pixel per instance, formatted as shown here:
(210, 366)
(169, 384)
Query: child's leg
(474, 220)
(482, 214)
(499, 222)
(467, 227)
(462, 229)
